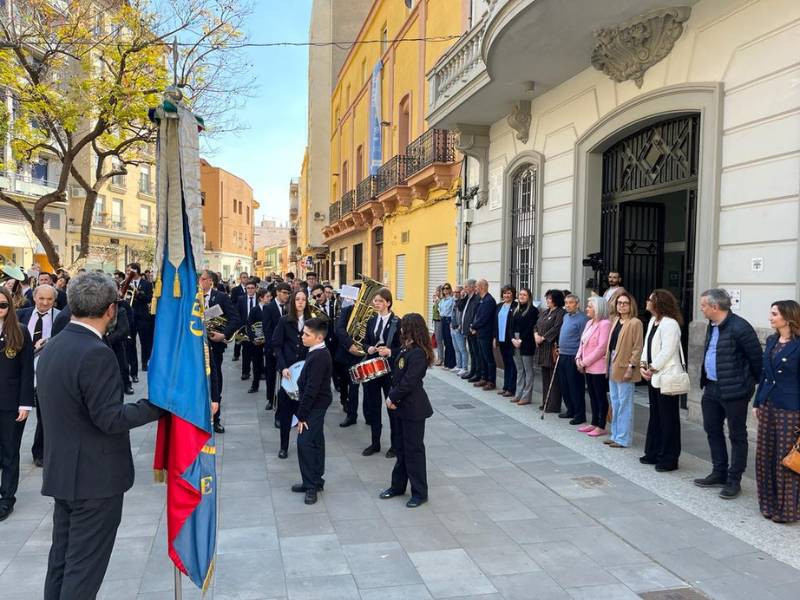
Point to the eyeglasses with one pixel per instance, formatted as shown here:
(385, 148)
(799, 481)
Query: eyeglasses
(4, 305)
(316, 296)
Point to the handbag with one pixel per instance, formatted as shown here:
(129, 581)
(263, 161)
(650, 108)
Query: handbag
(792, 460)
(433, 340)
(675, 381)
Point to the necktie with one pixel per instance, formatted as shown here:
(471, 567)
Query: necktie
(379, 329)
(252, 302)
(37, 328)
(283, 309)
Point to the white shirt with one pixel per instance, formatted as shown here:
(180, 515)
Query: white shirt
(89, 327)
(610, 292)
(384, 320)
(207, 297)
(300, 324)
(319, 346)
(47, 323)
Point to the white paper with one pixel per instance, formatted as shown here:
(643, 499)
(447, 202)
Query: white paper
(294, 421)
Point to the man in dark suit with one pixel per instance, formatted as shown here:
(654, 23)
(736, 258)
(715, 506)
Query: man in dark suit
(217, 339)
(470, 307)
(482, 328)
(256, 316)
(236, 293)
(88, 464)
(272, 314)
(40, 321)
(142, 320)
(346, 357)
(245, 304)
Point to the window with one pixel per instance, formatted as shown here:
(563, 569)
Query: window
(332, 274)
(523, 227)
(384, 39)
(404, 124)
(240, 207)
(342, 267)
(359, 164)
(145, 183)
(345, 178)
(144, 218)
(116, 213)
(377, 240)
(39, 169)
(98, 216)
(248, 215)
(118, 180)
(235, 204)
(358, 261)
(202, 198)
(400, 276)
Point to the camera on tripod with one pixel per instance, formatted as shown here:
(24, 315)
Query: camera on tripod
(596, 263)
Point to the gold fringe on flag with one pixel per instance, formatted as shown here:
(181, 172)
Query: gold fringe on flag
(156, 295)
(176, 286)
(209, 575)
(159, 475)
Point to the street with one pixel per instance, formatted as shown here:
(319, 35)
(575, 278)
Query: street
(519, 509)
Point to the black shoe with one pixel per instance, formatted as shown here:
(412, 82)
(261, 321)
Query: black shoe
(299, 488)
(388, 493)
(731, 490)
(245, 377)
(269, 405)
(311, 497)
(473, 379)
(647, 461)
(135, 378)
(129, 390)
(564, 415)
(415, 502)
(576, 421)
(144, 368)
(218, 428)
(252, 390)
(467, 376)
(235, 358)
(666, 468)
(713, 480)
(283, 453)
(5, 511)
(390, 453)
(37, 462)
(347, 422)
(370, 450)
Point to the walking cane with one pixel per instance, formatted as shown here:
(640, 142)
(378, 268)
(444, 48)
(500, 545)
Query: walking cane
(549, 387)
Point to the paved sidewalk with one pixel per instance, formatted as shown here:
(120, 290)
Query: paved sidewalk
(519, 509)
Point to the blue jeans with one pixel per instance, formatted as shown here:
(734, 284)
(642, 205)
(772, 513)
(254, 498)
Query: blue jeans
(621, 393)
(460, 345)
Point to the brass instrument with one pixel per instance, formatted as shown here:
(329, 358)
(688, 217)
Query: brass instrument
(258, 333)
(318, 313)
(126, 290)
(218, 325)
(362, 311)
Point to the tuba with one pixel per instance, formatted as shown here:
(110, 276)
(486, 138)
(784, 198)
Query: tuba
(362, 311)
(318, 313)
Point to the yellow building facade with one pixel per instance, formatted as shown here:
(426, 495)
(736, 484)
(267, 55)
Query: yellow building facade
(395, 222)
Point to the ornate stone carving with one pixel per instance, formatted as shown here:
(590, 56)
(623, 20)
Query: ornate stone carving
(520, 119)
(626, 51)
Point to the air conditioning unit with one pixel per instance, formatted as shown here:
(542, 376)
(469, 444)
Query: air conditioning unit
(77, 191)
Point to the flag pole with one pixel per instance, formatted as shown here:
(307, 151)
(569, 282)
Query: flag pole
(178, 590)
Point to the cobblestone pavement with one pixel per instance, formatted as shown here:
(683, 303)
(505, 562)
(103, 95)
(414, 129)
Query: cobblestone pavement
(519, 509)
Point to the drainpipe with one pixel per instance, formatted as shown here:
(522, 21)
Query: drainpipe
(460, 225)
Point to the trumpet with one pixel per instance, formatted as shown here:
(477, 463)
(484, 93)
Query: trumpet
(318, 313)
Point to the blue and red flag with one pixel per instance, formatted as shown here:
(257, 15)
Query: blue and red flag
(178, 369)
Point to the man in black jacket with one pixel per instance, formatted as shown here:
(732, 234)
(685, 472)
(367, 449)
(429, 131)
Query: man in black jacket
(731, 368)
(470, 306)
(314, 386)
(346, 357)
(246, 303)
(272, 314)
(256, 316)
(142, 326)
(236, 294)
(482, 328)
(88, 464)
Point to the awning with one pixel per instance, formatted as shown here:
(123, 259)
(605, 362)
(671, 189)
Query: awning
(17, 235)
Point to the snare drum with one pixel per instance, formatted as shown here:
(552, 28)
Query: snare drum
(369, 369)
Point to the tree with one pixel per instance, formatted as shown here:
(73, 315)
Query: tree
(83, 74)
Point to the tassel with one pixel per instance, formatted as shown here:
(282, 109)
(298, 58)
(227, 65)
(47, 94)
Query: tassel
(176, 286)
(159, 475)
(157, 288)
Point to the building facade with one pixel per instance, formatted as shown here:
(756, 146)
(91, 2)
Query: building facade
(272, 260)
(393, 179)
(662, 140)
(228, 221)
(270, 232)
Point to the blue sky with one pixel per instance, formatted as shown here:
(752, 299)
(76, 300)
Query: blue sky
(269, 153)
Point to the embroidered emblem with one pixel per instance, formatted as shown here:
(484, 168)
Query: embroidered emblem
(401, 362)
(10, 353)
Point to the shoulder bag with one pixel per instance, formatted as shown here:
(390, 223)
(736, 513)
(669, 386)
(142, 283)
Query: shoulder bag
(675, 380)
(792, 460)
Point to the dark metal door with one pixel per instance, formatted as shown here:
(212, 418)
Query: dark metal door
(523, 228)
(641, 248)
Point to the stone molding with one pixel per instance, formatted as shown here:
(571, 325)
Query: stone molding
(519, 119)
(626, 51)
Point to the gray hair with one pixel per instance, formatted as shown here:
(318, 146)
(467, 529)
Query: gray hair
(600, 307)
(718, 298)
(45, 286)
(470, 283)
(90, 294)
(573, 297)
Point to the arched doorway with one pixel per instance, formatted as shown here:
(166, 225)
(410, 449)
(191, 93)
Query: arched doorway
(524, 186)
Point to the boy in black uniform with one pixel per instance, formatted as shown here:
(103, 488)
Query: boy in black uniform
(314, 386)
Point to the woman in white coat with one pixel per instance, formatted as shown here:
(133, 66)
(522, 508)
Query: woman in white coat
(662, 352)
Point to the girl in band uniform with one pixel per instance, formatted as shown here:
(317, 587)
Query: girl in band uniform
(409, 402)
(287, 342)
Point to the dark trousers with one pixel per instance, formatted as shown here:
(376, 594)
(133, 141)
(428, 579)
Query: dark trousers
(351, 406)
(144, 330)
(509, 367)
(552, 403)
(271, 371)
(237, 349)
(287, 408)
(311, 450)
(598, 398)
(716, 410)
(375, 392)
(83, 538)
(216, 381)
(488, 366)
(341, 378)
(573, 387)
(10, 442)
(252, 361)
(130, 353)
(37, 449)
(410, 465)
(663, 442)
(447, 340)
(474, 356)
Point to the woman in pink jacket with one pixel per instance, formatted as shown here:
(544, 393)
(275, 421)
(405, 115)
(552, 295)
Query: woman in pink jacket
(591, 360)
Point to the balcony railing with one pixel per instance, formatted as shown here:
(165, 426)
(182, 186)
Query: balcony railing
(433, 146)
(347, 202)
(117, 223)
(393, 173)
(147, 228)
(365, 191)
(26, 185)
(334, 212)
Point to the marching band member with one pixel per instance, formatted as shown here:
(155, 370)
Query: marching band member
(327, 304)
(287, 341)
(271, 315)
(217, 339)
(410, 405)
(245, 304)
(256, 315)
(142, 326)
(346, 356)
(382, 339)
(236, 294)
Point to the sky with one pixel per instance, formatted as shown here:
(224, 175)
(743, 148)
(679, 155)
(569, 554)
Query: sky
(269, 152)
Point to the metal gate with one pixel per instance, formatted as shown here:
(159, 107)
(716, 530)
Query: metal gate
(436, 266)
(523, 227)
(641, 247)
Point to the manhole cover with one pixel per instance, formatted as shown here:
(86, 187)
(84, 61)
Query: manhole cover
(463, 406)
(677, 594)
(590, 482)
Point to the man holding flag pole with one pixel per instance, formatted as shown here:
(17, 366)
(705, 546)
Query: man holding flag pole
(178, 376)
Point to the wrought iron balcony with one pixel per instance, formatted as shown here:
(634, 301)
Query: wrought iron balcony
(365, 191)
(393, 173)
(334, 212)
(433, 146)
(347, 202)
